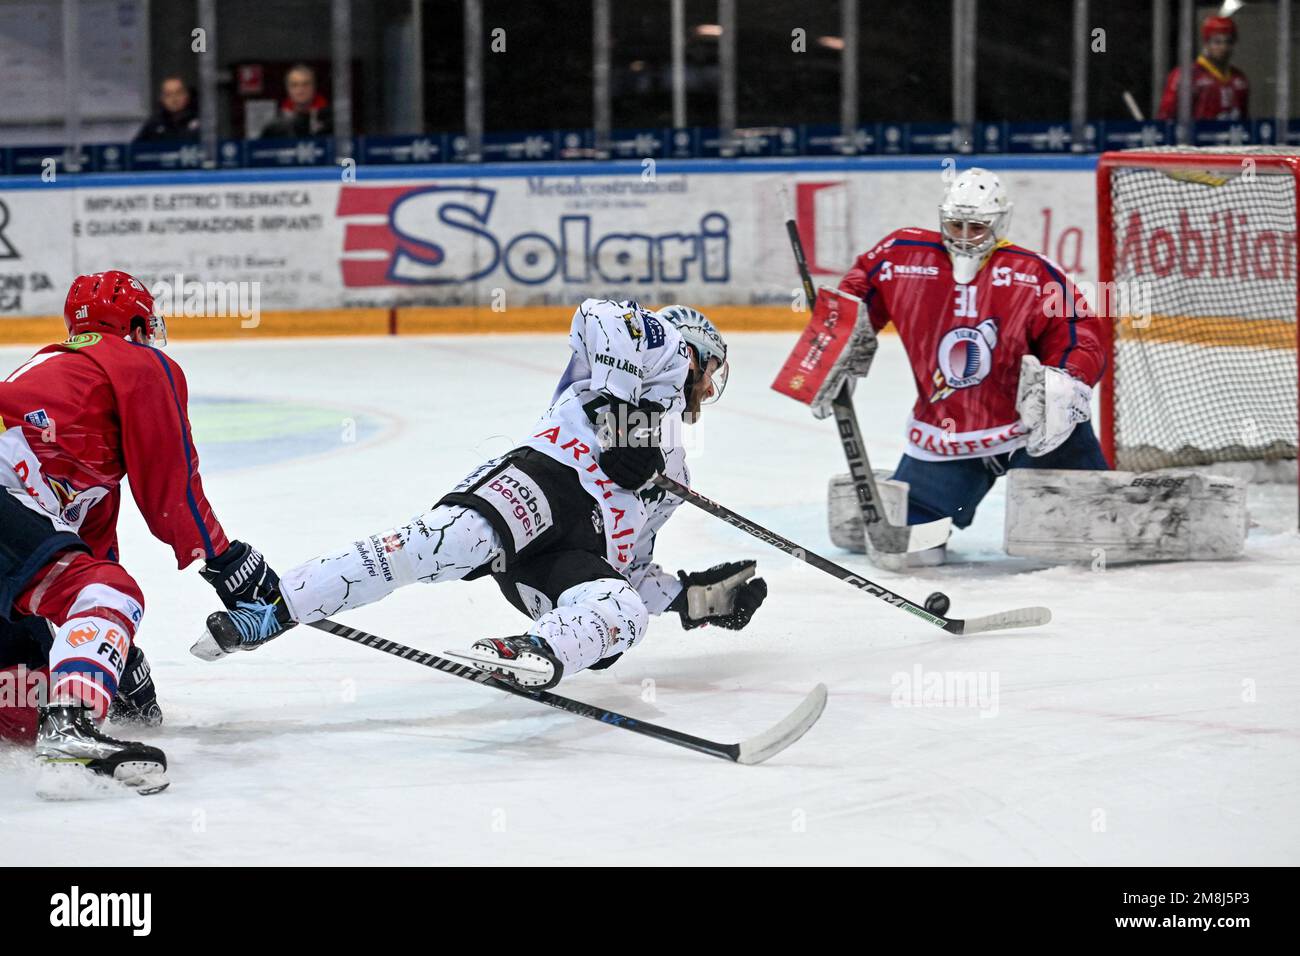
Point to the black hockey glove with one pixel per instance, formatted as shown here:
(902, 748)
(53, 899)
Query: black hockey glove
(240, 573)
(726, 595)
(137, 698)
(629, 439)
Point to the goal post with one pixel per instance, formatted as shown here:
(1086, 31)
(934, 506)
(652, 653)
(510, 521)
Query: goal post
(1201, 245)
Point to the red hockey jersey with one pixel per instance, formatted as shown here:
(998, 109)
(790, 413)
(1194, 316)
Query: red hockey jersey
(965, 342)
(82, 415)
(1215, 95)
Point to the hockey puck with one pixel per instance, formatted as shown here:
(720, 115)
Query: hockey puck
(938, 603)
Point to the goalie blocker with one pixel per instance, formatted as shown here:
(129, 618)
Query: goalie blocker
(833, 352)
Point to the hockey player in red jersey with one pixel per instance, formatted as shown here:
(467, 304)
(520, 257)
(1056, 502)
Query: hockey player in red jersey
(969, 306)
(78, 418)
(1220, 91)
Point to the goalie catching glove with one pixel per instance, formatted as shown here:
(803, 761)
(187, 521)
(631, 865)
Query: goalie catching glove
(1051, 402)
(726, 595)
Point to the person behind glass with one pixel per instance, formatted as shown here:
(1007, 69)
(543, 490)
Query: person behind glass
(177, 117)
(304, 111)
(1220, 91)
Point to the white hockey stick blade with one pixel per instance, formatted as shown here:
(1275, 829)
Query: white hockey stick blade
(889, 545)
(1006, 620)
(886, 538)
(932, 534)
(772, 742)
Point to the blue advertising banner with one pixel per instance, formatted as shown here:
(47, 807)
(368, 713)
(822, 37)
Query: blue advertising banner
(393, 150)
(1136, 134)
(289, 152)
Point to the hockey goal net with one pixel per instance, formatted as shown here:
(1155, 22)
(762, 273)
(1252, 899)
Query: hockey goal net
(1201, 247)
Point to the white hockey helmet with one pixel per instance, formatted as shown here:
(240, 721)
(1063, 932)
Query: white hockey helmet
(973, 218)
(704, 340)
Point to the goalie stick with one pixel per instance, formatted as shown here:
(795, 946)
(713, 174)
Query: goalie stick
(751, 751)
(1004, 620)
(887, 543)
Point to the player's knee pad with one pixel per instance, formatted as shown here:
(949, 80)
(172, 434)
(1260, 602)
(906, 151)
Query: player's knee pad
(593, 620)
(616, 603)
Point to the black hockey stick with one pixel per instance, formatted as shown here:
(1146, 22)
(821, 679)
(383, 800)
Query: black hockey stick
(754, 750)
(1004, 620)
(886, 542)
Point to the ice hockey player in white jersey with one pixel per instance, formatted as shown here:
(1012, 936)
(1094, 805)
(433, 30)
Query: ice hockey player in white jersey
(565, 523)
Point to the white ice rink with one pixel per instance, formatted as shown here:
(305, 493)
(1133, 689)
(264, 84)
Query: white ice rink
(1156, 720)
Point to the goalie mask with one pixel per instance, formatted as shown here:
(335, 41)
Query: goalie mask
(705, 341)
(973, 218)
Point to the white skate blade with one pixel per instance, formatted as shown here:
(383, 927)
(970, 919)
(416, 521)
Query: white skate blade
(772, 742)
(488, 662)
(71, 781)
(206, 648)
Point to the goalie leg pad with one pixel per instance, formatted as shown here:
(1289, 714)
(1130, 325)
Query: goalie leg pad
(845, 515)
(845, 518)
(1122, 516)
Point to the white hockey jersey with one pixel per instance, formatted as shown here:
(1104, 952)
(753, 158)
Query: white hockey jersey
(620, 350)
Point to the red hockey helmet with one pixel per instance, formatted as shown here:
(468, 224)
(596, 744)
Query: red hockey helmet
(112, 303)
(1214, 26)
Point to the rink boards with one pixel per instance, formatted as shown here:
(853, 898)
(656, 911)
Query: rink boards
(463, 248)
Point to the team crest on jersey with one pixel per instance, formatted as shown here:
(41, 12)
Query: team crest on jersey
(633, 326)
(965, 358)
(74, 504)
(37, 419)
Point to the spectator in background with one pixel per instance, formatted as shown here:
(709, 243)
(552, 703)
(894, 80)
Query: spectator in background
(304, 112)
(176, 120)
(1219, 91)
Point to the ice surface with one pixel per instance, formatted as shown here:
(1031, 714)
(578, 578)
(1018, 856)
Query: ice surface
(1155, 720)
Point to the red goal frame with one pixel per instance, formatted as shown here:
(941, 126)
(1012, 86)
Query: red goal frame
(1187, 160)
